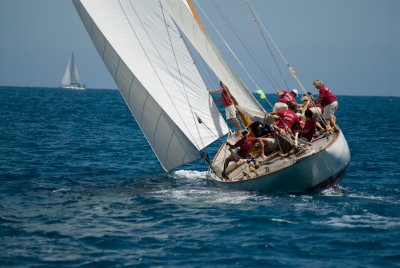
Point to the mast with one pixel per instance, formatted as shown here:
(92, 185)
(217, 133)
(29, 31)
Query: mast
(195, 14)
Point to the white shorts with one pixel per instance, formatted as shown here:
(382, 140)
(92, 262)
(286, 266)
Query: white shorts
(330, 110)
(316, 112)
(230, 112)
(280, 106)
(270, 143)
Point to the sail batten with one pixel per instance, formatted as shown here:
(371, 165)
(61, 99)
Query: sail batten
(154, 71)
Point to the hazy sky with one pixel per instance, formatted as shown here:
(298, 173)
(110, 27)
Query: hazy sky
(353, 45)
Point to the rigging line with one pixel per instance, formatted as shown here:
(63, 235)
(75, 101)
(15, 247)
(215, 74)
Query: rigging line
(227, 45)
(144, 50)
(245, 45)
(264, 30)
(291, 69)
(279, 143)
(208, 74)
(212, 77)
(293, 73)
(180, 75)
(263, 34)
(202, 70)
(200, 64)
(201, 122)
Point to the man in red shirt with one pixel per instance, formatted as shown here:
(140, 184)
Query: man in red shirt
(288, 119)
(285, 97)
(308, 130)
(329, 103)
(227, 102)
(245, 145)
(287, 123)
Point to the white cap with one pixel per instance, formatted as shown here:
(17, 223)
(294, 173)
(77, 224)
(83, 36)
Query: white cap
(295, 91)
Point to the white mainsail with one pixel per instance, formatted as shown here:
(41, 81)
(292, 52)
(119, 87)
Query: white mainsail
(152, 67)
(209, 52)
(71, 74)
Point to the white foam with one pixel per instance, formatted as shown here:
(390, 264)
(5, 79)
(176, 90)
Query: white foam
(63, 190)
(334, 191)
(284, 221)
(209, 196)
(372, 197)
(231, 199)
(368, 220)
(191, 174)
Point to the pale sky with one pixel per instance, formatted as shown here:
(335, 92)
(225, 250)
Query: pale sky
(352, 45)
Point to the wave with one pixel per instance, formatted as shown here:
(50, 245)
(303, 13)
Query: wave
(191, 174)
(204, 196)
(62, 190)
(368, 220)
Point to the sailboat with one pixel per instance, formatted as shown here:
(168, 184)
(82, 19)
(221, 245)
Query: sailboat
(145, 46)
(70, 79)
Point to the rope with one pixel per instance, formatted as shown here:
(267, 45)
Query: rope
(210, 77)
(230, 49)
(265, 33)
(245, 45)
(227, 45)
(293, 73)
(203, 154)
(202, 122)
(208, 74)
(180, 75)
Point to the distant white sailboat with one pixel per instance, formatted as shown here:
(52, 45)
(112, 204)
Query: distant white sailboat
(142, 46)
(71, 76)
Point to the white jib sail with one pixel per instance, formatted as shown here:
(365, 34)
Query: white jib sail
(209, 52)
(145, 54)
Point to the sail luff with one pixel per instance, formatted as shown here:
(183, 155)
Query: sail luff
(146, 74)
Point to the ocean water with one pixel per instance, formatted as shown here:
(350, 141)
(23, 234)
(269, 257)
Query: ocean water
(80, 186)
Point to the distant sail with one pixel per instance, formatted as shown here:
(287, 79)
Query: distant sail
(156, 75)
(71, 79)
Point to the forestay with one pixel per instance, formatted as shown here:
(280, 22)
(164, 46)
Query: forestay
(152, 67)
(209, 52)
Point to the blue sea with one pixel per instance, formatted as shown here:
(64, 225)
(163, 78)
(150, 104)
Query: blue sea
(80, 187)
